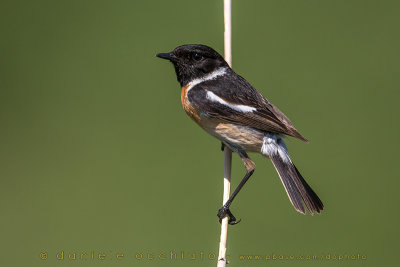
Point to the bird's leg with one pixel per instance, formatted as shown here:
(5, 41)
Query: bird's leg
(222, 146)
(224, 211)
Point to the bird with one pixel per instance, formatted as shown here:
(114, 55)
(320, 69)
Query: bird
(230, 109)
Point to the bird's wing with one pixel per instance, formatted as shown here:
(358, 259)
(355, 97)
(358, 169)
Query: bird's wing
(238, 102)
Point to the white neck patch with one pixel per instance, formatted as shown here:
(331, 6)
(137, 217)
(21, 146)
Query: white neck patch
(211, 76)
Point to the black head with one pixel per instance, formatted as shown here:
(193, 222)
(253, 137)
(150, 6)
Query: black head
(193, 61)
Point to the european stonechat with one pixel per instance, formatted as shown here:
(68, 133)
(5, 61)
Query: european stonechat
(226, 106)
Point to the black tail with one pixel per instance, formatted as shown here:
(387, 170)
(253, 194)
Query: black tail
(296, 187)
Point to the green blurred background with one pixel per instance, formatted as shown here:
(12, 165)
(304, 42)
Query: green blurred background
(97, 154)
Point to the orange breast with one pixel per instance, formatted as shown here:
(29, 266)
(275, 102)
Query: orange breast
(208, 124)
(190, 110)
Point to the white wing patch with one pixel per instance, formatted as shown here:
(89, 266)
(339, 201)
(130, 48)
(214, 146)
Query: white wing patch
(213, 97)
(272, 145)
(241, 108)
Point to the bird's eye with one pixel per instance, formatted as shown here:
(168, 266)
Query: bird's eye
(197, 56)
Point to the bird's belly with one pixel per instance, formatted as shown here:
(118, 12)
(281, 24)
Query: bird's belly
(237, 137)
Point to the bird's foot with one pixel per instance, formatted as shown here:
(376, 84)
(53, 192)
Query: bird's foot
(222, 146)
(224, 211)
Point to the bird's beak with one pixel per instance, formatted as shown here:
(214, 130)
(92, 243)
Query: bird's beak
(169, 56)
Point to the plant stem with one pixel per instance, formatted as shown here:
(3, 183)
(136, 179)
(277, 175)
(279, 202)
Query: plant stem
(227, 152)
